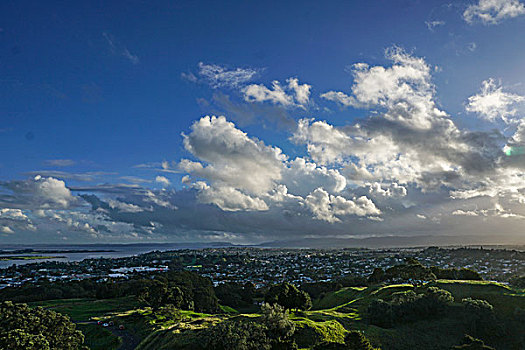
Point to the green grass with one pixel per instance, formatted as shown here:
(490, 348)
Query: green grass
(330, 319)
(309, 333)
(228, 310)
(85, 309)
(427, 334)
(98, 338)
(340, 297)
(504, 299)
(183, 336)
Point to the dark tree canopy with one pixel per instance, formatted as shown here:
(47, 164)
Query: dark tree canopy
(22, 328)
(410, 307)
(235, 294)
(288, 296)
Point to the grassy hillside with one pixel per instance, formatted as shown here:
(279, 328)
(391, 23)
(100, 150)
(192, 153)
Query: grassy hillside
(339, 312)
(330, 319)
(504, 299)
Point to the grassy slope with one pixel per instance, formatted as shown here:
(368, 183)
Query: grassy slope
(330, 318)
(504, 299)
(98, 338)
(82, 311)
(431, 334)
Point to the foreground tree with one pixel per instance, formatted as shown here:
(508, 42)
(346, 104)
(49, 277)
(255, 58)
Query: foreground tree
(236, 335)
(22, 328)
(288, 296)
(279, 328)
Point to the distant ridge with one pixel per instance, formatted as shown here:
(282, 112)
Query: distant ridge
(313, 243)
(388, 242)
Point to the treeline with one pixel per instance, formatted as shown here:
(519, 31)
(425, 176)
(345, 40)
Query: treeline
(184, 289)
(410, 272)
(413, 271)
(317, 290)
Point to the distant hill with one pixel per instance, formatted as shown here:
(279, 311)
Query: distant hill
(383, 242)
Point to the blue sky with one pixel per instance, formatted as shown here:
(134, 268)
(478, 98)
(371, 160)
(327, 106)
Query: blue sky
(96, 96)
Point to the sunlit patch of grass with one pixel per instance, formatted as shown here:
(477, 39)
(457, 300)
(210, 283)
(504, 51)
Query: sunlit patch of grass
(228, 310)
(85, 309)
(337, 298)
(308, 332)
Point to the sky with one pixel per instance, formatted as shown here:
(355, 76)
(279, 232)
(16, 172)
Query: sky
(257, 121)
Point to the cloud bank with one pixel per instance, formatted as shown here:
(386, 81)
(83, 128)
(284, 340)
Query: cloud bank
(405, 167)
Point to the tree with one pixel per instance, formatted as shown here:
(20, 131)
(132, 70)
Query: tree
(196, 288)
(455, 274)
(517, 281)
(273, 331)
(288, 296)
(23, 328)
(154, 295)
(233, 294)
(19, 339)
(279, 327)
(248, 292)
(236, 335)
(377, 276)
(380, 313)
(409, 307)
(354, 340)
(481, 318)
(413, 272)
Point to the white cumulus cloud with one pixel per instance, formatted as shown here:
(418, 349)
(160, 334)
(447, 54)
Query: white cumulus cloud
(493, 103)
(218, 76)
(493, 11)
(291, 95)
(327, 207)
